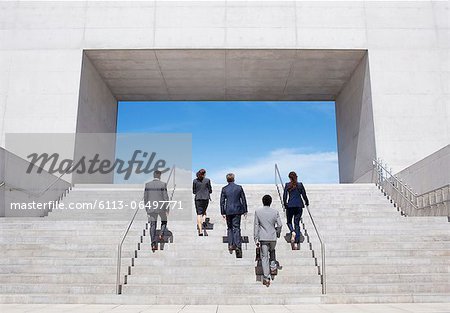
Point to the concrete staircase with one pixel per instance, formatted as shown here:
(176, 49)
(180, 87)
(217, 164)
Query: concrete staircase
(373, 254)
(376, 255)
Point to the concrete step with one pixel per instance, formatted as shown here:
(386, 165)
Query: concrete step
(56, 253)
(221, 271)
(37, 269)
(168, 299)
(389, 253)
(374, 245)
(409, 261)
(71, 288)
(211, 263)
(284, 276)
(384, 288)
(388, 278)
(45, 261)
(214, 290)
(408, 297)
(282, 254)
(363, 269)
(373, 254)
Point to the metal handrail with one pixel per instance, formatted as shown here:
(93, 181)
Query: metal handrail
(278, 177)
(119, 246)
(174, 182)
(385, 175)
(322, 244)
(379, 167)
(119, 252)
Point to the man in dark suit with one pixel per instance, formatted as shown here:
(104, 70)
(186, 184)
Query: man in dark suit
(232, 205)
(155, 200)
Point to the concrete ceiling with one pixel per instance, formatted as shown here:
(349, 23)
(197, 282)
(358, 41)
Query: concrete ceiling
(205, 74)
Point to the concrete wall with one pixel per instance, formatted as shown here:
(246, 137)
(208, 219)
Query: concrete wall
(97, 106)
(2, 178)
(97, 113)
(430, 173)
(355, 130)
(408, 44)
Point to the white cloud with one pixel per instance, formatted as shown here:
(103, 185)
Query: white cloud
(319, 167)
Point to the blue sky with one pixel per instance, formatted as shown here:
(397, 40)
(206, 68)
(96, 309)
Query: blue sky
(246, 137)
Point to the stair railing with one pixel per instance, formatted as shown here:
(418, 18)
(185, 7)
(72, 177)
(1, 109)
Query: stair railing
(322, 271)
(279, 180)
(172, 175)
(35, 194)
(403, 197)
(60, 195)
(438, 198)
(127, 230)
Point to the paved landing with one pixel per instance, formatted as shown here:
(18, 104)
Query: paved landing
(307, 308)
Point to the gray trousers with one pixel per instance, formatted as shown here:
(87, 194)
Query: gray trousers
(153, 218)
(268, 259)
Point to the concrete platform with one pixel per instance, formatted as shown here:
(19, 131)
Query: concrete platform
(310, 308)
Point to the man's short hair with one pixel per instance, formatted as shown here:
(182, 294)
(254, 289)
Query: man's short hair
(230, 177)
(267, 200)
(157, 174)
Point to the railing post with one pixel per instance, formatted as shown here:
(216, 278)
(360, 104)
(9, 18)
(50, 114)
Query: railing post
(119, 260)
(324, 277)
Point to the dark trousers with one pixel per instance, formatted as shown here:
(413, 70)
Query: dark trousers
(234, 230)
(296, 214)
(153, 218)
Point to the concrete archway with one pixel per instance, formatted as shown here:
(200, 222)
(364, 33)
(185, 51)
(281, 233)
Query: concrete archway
(109, 76)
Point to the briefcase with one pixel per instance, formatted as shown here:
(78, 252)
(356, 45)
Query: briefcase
(258, 254)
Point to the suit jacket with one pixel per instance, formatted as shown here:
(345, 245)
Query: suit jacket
(232, 200)
(267, 225)
(201, 189)
(295, 197)
(155, 190)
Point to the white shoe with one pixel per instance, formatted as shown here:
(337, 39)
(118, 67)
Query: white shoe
(293, 237)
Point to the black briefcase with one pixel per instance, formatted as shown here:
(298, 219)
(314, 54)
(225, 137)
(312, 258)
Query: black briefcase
(258, 254)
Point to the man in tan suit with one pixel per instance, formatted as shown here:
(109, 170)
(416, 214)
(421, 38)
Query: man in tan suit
(267, 229)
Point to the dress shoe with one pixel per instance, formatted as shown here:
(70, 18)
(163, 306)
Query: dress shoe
(266, 282)
(238, 253)
(154, 247)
